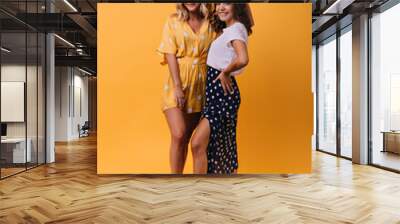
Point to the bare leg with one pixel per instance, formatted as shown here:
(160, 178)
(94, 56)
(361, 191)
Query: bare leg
(199, 147)
(181, 126)
(191, 120)
(176, 124)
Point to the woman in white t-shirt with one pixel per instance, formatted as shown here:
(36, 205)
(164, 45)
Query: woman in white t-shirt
(214, 141)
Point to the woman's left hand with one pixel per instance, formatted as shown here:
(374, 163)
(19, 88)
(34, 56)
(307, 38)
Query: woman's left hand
(226, 82)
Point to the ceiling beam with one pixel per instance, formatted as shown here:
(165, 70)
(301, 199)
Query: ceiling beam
(82, 61)
(84, 24)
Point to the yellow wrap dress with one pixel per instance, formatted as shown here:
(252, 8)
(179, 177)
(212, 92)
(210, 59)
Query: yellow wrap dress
(191, 51)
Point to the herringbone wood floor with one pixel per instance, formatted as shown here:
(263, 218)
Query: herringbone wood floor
(69, 191)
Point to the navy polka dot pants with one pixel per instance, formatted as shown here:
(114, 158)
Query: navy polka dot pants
(221, 112)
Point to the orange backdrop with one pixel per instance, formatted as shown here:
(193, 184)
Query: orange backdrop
(276, 115)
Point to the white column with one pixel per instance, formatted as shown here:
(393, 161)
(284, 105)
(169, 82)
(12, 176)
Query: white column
(360, 90)
(50, 92)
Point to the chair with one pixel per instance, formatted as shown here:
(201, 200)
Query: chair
(84, 130)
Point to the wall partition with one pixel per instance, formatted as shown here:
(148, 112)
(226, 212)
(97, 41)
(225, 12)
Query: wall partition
(13, 104)
(22, 88)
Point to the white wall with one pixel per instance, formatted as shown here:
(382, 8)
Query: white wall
(12, 73)
(81, 84)
(16, 73)
(33, 127)
(12, 101)
(71, 93)
(62, 81)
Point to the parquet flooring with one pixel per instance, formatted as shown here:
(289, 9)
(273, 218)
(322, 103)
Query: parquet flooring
(10, 171)
(69, 191)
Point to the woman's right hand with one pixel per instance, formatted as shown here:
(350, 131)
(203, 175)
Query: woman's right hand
(174, 71)
(180, 97)
(226, 82)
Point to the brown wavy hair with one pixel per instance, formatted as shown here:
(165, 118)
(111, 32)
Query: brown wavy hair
(241, 13)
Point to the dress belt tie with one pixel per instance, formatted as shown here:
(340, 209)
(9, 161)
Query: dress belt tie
(192, 60)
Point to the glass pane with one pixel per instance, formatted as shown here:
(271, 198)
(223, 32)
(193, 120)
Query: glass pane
(32, 98)
(386, 89)
(314, 78)
(31, 85)
(41, 98)
(13, 89)
(346, 94)
(22, 89)
(327, 96)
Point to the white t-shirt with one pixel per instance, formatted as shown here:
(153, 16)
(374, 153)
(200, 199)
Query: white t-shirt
(221, 52)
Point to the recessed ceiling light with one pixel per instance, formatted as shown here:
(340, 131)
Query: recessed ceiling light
(338, 6)
(70, 5)
(5, 50)
(64, 40)
(84, 71)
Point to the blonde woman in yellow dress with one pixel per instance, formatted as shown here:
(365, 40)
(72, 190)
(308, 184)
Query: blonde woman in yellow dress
(186, 38)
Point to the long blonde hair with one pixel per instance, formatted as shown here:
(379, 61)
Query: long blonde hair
(183, 13)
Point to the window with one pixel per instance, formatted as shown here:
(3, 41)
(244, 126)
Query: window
(385, 89)
(327, 95)
(346, 93)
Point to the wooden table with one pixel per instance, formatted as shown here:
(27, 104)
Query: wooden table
(391, 141)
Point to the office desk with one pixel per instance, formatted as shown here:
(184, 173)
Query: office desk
(391, 141)
(13, 150)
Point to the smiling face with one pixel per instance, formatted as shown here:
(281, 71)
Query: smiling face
(192, 7)
(225, 12)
